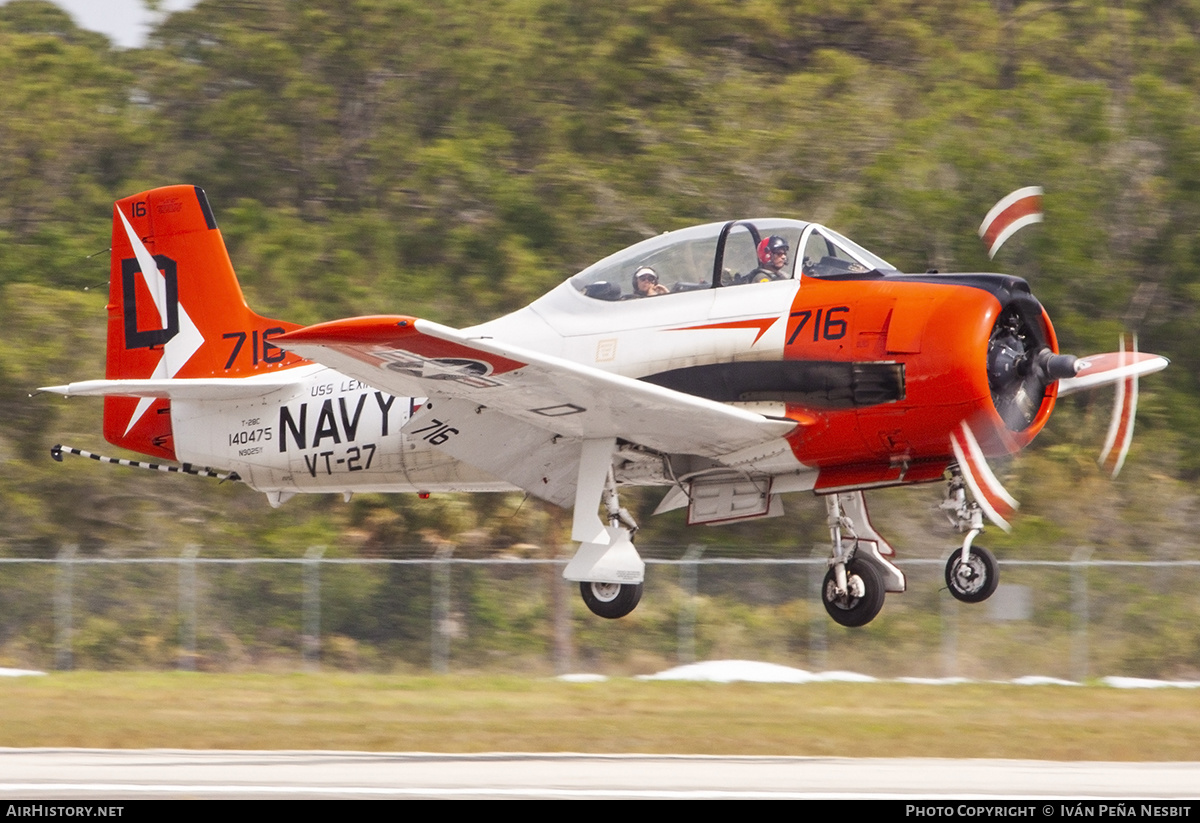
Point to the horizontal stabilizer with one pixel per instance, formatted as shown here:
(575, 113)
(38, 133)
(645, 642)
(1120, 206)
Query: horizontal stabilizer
(192, 388)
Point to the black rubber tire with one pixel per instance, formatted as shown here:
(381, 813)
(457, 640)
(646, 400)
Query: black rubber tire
(849, 610)
(974, 581)
(611, 600)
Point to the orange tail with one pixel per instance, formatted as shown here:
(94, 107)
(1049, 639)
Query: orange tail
(175, 310)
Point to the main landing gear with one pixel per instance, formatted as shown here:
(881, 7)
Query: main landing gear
(861, 572)
(971, 572)
(608, 568)
(611, 600)
(858, 598)
(859, 575)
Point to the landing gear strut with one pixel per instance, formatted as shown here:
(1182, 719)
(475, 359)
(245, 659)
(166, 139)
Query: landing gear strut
(859, 574)
(972, 573)
(607, 568)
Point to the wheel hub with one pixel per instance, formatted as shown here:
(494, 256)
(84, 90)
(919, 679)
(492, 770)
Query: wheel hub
(969, 575)
(860, 601)
(849, 598)
(973, 580)
(855, 587)
(606, 592)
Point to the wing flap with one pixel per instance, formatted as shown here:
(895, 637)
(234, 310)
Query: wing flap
(531, 458)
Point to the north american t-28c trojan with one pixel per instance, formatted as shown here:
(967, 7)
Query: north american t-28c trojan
(729, 363)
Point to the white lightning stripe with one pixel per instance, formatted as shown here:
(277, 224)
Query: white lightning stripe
(180, 348)
(156, 285)
(142, 405)
(160, 372)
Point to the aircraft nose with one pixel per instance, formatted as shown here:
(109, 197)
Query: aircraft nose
(1020, 362)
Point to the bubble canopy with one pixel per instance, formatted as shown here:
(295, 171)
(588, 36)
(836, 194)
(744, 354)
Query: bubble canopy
(718, 255)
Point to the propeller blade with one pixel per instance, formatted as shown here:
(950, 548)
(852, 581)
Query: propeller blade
(996, 503)
(1113, 367)
(1014, 212)
(1120, 429)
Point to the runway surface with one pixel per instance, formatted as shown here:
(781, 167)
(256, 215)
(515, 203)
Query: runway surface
(174, 773)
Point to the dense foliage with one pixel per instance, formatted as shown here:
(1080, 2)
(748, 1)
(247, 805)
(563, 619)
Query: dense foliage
(456, 159)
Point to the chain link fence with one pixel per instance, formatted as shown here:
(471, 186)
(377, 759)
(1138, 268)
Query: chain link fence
(1071, 619)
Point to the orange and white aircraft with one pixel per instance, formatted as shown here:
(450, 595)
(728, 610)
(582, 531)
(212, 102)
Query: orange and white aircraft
(729, 364)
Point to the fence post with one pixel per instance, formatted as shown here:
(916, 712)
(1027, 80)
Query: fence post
(689, 580)
(440, 583)
(950, 612)
(187, 608)
(311, 640)
(560, 591)
(818, 639)
(1079, 594)
(64, 583)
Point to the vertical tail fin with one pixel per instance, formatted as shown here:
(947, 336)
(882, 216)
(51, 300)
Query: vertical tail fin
(175, 310)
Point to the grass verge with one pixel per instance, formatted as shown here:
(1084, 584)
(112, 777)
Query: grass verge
(484, 713)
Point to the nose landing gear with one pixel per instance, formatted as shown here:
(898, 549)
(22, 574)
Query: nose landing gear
(972, 579)
(972, 573)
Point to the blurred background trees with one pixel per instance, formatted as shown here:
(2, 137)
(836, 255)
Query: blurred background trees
(455, 160)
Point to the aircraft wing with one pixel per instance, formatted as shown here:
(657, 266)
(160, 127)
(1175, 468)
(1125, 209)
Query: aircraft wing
(537, 392)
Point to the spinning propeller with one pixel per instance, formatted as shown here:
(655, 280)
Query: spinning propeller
(1022, 366)
(1019, 379)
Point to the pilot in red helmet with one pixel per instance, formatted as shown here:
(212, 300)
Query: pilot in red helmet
(772, 259)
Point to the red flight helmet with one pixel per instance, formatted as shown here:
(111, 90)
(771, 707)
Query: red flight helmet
(771, 245)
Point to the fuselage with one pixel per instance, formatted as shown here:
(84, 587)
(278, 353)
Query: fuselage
(875, 367)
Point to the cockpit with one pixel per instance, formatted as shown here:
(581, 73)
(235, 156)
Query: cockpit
(721, 255)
